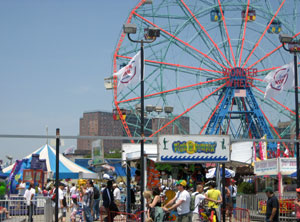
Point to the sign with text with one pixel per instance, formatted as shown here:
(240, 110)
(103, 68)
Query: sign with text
(287, 166)
(193, 148)
(28, 175)
(266, 167)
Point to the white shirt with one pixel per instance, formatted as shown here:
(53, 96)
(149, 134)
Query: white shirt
(117, 194)
(22, 188)
(198, 200)
(184, 207)
(28, 194)
(234, 190)
(73, 191)
(60, 197)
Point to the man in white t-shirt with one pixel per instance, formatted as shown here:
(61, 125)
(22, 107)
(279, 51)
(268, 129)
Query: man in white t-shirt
(117, 194)
(29, 194)
(60, 201)
(199, 199)
(21, 187)
(73, 190)
(182, 203)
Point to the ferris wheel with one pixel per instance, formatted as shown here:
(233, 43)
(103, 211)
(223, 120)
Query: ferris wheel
(205, 73)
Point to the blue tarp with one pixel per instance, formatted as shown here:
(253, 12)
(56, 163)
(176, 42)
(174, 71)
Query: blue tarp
(116, 163)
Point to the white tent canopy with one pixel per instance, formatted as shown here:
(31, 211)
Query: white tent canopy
(67, 168)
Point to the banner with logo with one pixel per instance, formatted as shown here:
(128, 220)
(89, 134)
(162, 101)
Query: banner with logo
(130, 73)
(263, 152)
(194, 148)
(97, 153)
(279, 80)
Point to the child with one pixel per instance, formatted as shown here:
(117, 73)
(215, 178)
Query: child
(74, 207)
(148, 196)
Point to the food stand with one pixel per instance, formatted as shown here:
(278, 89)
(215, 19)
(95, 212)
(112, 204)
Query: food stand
(281, 169)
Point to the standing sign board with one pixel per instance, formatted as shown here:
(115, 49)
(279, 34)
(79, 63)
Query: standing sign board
(193, 148)
(287, 165)
(266, 167)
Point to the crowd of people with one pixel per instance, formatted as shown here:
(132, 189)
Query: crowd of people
(191, 204)
(85, 199)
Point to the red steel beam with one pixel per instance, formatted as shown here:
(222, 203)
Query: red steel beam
(175, 89)
(189, 109)
(243, 39)
(257, 43)
(270, 53)
(223, 18)
(204, 30)
(123, 34)
(267, 55)
(179, 40)
(176, 65)
(273, 128)
(217, 107)
(287, 108)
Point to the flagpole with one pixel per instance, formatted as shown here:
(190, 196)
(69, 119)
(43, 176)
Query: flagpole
(297, 117)
(142, 130)
(286, 39)
(151, 33)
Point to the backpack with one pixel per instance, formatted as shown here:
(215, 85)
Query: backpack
(64, 201)
(192, 203)
(96, 193)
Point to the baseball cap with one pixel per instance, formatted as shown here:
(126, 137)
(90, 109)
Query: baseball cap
(181, 182)
(269, 189)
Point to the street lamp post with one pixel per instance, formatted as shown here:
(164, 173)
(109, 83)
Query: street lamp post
(286, 39)
(151, 33)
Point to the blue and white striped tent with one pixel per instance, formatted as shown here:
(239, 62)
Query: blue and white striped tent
(67, 168)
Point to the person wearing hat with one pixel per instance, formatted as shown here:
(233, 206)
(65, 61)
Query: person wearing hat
(181, 202)
(297, 205)
(272, 213)
(109, 203)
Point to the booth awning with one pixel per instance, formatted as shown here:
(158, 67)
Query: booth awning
(67, 168)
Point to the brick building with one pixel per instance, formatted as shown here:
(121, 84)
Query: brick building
(101, 123)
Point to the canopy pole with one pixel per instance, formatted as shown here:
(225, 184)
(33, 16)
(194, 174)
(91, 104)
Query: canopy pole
(128, 187)
(57, 174)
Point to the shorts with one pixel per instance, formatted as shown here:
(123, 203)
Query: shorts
(61, 214)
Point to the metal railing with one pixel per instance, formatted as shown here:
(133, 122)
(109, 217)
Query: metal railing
(16, 209)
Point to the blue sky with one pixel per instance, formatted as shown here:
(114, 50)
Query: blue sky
(54, 56)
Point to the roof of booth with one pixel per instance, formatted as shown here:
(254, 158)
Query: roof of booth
(67, 168)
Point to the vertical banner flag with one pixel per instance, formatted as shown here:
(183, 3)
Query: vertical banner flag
(279, 80)
(263, 149)
(278, 149)
(130, 73)
(256, 154)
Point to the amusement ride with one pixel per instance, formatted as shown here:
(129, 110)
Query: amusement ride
(208, 68)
